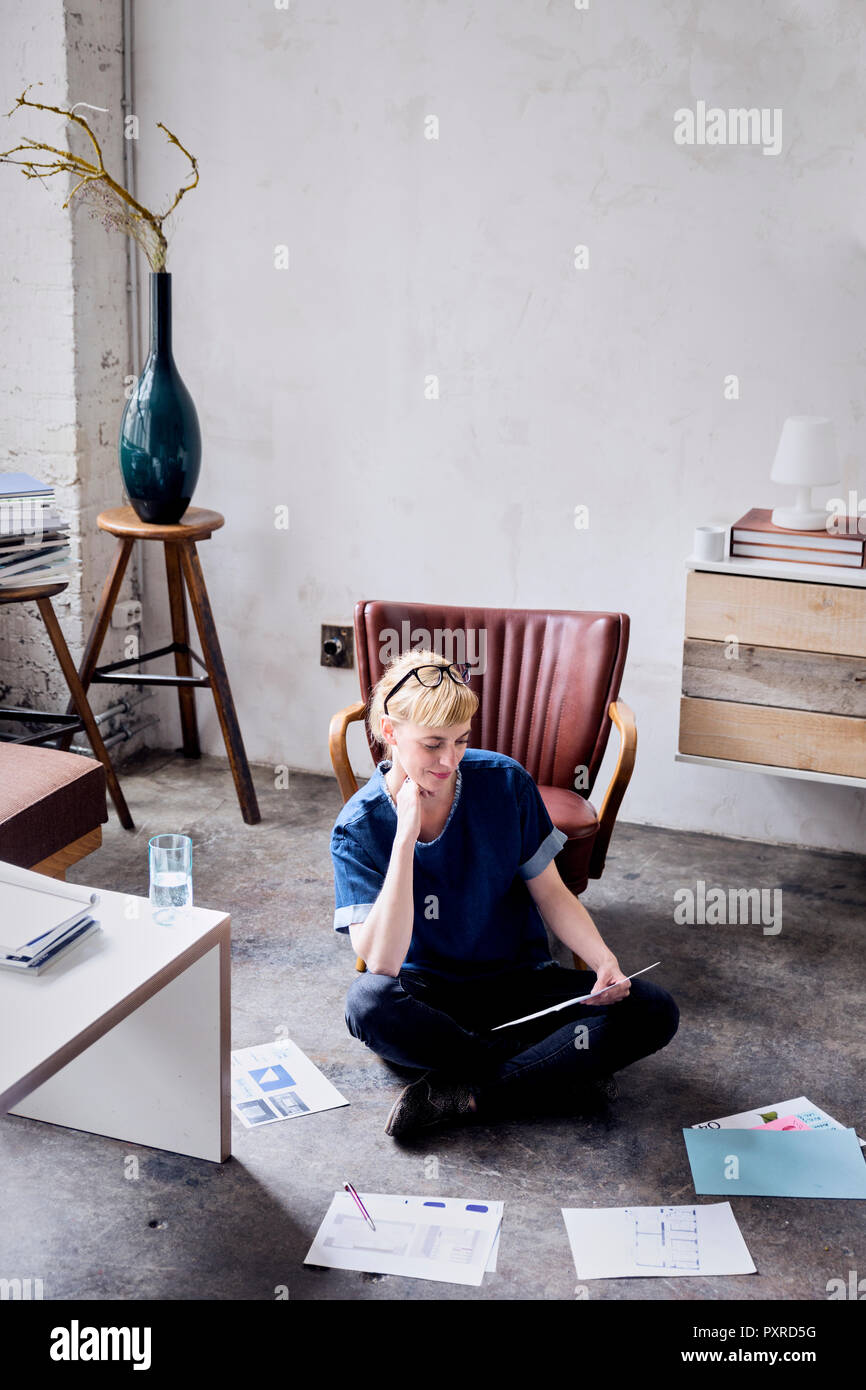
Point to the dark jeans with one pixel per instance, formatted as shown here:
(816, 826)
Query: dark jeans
(422, 1021)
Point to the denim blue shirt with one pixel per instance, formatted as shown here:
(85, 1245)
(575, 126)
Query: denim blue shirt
(473, 912)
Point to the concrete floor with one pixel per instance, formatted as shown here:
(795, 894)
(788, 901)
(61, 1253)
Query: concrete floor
(762, 1018)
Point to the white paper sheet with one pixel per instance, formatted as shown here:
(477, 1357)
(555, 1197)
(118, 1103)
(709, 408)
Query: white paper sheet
(276, 1081)
(811, 1115)
(31, 904)
(452, 1240)
(625, 1242)
(579, 999)
(490, 1267)
(58, 888)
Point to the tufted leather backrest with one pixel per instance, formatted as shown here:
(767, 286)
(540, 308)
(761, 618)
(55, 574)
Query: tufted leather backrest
(544, 679)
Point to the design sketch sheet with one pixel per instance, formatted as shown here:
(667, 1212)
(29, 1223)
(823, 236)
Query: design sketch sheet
(450, 1239)
(619, 1242)
(276, 1081)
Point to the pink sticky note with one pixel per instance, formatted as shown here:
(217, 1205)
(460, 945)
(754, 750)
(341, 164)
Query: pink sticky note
(786, 1122)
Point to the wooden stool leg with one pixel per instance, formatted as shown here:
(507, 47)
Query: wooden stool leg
(219, 681)
(182, 663)
(82, 707)
(107, 600)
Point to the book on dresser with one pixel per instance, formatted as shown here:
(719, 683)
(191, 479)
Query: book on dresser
(34, 536)
(756, 536)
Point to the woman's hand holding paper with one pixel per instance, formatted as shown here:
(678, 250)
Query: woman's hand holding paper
(606, 975)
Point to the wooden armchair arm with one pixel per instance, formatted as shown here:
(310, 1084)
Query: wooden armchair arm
(623, 718)
(340, 760)
(337, 747)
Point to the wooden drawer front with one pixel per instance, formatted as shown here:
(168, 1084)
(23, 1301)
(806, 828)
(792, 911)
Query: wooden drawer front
(776, 613)
(775, 676)
(793, 738)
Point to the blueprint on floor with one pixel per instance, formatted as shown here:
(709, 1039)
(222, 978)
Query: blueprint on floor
(625, 1242)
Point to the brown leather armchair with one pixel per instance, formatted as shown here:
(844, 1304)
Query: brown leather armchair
(548, 685)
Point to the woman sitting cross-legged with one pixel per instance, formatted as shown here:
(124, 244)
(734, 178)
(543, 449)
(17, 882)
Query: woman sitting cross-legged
(445, 876)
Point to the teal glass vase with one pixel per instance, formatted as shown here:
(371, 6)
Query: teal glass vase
(160, 441)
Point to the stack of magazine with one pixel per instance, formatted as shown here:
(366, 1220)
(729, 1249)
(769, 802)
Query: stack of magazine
(41, 918)
(34, 537)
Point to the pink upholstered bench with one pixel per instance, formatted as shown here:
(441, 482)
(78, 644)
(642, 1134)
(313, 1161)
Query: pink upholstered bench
(52, 807)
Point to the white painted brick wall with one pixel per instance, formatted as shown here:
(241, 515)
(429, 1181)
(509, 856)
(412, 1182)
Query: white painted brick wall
(64, 349)
(37, 379)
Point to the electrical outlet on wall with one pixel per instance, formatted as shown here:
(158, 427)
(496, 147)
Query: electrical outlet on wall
(127, 613)
(337, 647)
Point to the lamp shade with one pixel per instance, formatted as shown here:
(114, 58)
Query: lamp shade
(806, 455)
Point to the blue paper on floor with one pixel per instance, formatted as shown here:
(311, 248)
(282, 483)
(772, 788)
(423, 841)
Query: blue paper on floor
(776, 1163)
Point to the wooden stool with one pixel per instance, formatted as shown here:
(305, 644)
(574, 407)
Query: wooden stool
(78, 715)
(181, 563)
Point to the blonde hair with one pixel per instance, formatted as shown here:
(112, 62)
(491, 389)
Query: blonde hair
(436, 707)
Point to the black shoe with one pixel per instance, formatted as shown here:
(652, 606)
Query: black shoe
(429, 1101)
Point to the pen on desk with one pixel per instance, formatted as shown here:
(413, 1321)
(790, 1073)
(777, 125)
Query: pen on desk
(353, 1194)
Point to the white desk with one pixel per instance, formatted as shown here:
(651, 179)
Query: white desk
(129, 1034)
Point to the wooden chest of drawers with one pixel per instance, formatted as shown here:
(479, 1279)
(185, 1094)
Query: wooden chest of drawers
(774, 674)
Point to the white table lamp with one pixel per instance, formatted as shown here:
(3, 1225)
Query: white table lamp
(806, 457)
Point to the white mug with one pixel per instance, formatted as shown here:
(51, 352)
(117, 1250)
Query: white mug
(709, 542)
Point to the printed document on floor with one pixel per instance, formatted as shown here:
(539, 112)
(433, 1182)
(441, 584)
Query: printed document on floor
(812, 1116)
(276, 1081)
(453, 1240)
(623, 1242)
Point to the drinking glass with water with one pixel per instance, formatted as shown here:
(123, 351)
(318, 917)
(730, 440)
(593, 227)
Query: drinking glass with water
(170, 878)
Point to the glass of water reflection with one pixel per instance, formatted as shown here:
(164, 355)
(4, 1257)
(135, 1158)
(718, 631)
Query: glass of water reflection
(170, 877)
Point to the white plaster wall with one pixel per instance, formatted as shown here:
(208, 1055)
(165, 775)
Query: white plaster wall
(454, 257)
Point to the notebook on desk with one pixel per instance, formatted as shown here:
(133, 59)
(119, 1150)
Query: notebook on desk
(40, 917)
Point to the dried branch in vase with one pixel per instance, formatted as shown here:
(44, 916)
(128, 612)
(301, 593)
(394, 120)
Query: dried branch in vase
(104, 196)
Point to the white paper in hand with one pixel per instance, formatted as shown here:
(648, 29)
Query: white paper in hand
(580, 999)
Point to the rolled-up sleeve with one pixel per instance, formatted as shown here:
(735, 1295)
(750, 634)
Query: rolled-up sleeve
(357, 881)
(540, 839)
